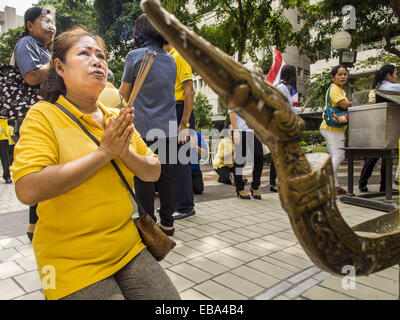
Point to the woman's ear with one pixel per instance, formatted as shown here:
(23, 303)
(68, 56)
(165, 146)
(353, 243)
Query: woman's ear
(29, 26)
(59, 67)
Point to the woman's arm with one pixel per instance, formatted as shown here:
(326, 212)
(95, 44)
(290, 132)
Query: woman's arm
(147, 168)
(344, 104)
(55, 180)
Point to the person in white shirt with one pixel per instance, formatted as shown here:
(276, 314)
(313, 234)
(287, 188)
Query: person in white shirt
(385, 80)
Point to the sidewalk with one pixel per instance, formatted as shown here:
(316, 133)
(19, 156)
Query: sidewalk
(232, 249)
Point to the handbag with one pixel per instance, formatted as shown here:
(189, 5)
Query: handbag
(330, 110)
(157, 242)
(16, 96)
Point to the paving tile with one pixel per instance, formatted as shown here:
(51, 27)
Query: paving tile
(29, 281)
(321, 293)
(217, 291)
(174, 258)
(10, 290)
(295, 251)
(282, 264)
(37, 295)
(247, 233)
(201, 246)
(239, 254)
(281, 298)
(290, 259)
(361, 291)
(24, 239)
(10, 243)
(26, 250)
(261, 230)
(196, 232)
(222, 226)
(9, 254)
(183, 236)
(180, 282)
(9, 269)
(209, 229)
(255, 276)
(208, 265)
(279, 241)
(300, 288)
(190, 272)
(265, 244)
(322, 276)
(215, 242)
(390, 286)
(274, 291)
(245, 246)
(223, 259)
(191, 294)
(270, 269)
(188, 252)
(390, 273)
(238, 284)
(303, 275)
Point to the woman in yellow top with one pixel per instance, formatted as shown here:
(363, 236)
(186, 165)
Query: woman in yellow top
(224, 159)
(86, 244)
(335, 136)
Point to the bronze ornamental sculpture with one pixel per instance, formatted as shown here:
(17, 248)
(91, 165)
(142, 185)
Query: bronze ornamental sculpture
(306, 187)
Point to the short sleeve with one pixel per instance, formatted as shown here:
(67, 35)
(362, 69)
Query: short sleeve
(336, 95)
(132, 64)
(184, 70)
(27, 56)
(37, 147)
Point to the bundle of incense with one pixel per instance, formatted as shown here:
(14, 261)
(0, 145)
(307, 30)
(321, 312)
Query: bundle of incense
(144, 68)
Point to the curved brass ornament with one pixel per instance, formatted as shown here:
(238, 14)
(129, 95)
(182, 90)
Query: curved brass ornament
(306, 186)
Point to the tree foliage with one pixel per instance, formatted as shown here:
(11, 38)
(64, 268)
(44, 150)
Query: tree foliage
(202, 111)
(7, 43)
(376, 19)
(245, 26)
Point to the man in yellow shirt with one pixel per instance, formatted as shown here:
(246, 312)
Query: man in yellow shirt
(5, 161)
(184, 95)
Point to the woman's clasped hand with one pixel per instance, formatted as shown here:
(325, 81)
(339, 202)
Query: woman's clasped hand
(117, 134)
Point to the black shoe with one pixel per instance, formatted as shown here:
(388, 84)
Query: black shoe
(243, 197)
(363, 188)
(183, 215)
(257, 196)
(273, 189)
(169, 233)
(8, 180)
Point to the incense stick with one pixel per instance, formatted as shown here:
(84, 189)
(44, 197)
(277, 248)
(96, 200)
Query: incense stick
(143, 70)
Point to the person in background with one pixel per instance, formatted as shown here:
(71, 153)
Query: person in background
(184, 95)
(198, 150)
(154, 112)
(33, 61)
(11, 143)
(110, 96)
(224, 159)
(4, 157)
(385, 80)
(85, 236)
(334, 136)
(287, 84)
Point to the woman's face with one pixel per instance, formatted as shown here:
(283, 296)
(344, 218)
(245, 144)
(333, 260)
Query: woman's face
(341, 77)
(84, 70)
(392, 77)
(43, 28)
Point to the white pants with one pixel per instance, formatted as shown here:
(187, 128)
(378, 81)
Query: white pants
(335, 141)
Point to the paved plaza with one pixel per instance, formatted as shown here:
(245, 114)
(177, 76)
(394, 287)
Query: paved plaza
(232, 249)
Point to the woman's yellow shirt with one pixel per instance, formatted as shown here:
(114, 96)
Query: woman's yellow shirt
(86, 234)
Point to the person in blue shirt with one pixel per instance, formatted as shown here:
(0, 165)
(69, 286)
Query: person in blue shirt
(198, 150)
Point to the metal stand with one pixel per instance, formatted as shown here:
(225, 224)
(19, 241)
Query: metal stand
(363, 200)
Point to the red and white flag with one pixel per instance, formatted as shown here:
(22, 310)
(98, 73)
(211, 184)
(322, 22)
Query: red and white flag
(274, 74)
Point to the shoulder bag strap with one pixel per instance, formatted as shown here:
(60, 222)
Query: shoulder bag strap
(328, 98)
(141, 210)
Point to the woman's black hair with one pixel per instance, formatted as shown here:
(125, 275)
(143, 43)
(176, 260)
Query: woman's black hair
(336, 69)
(381, 74)
(144, 31)
(289, 75)
(30, 15)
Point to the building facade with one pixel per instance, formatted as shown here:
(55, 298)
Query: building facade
(9, 19)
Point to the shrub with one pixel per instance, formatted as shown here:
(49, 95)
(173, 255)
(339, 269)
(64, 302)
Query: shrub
(312, 137)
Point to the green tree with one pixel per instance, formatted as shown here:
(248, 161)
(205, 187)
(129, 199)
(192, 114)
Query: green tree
(245, 26)
(7, 43)
(72, 12)
(376, 20)
(202, 111)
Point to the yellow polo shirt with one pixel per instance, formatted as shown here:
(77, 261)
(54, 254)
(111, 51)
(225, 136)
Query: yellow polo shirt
(220, 160)
(183, 73)
(337, 94)
(86, 234)
(3, 129)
